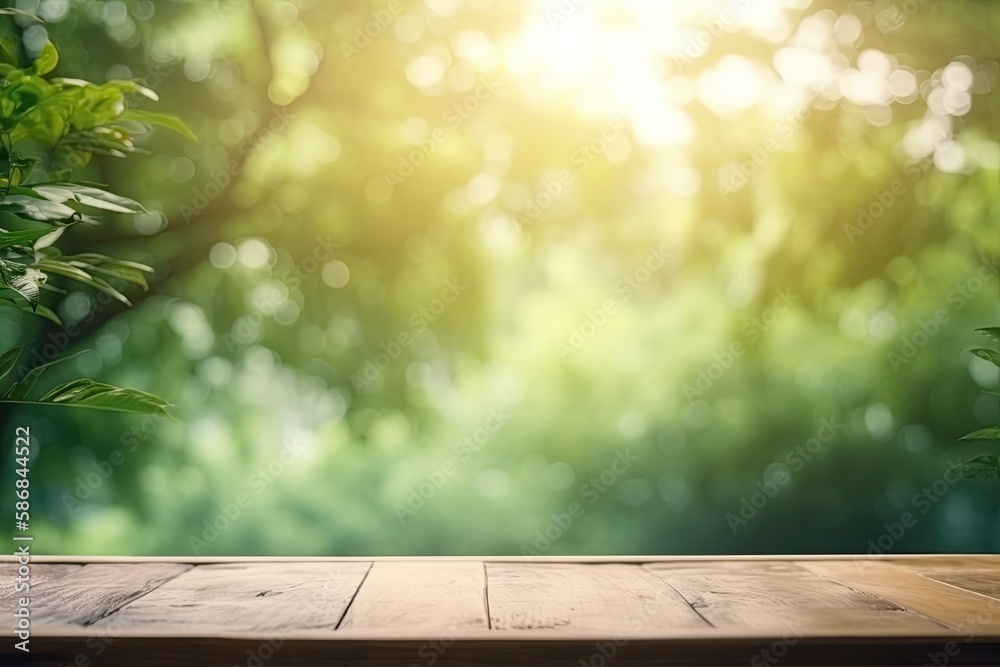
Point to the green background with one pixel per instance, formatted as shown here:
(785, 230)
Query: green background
(286, 267)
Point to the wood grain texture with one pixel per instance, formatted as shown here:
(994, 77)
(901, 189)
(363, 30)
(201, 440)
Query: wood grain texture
(543, 612)
(983, 583)
(431, 597)
(612, 599)
(955, 608)
(271, 598)
(783, 595)
(88, 594)
(972, 574)
(36, 575)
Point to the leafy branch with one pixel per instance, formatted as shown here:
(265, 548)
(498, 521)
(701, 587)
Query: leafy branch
(62, 123)
(984, 467)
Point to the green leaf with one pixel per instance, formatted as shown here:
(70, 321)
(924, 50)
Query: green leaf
(50, 238)
(9, 359)
(97, 258)
(24, 237)
(133, 87)
(131, 272)
(992, 332)
(25, 283)
(47, 313)
(86, 393)
(40, 210)
(128, 274)
(67, 270)
(980, 467)
(10, 296)
(9, 55)
(66, 81)
(989, 433)
(10, 11)
(991, 356)
(163, 120)
(20, 391)
(89, 196)
(46, 60)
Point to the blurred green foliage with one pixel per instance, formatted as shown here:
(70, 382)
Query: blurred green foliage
(438, 272)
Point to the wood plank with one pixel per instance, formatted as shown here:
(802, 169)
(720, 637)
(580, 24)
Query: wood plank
(86, 595)
(613, 599)
(246, 597)
(972, 574)
(983, 583)
(783, 595)
(957, 609)
(433, 597)
(37, 574)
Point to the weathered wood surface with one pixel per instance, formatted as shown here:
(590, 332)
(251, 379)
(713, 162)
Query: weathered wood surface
(713, 611)
(88, 594)
(960, 610)
(971, 574)
(442, 598)
(784, 595)
(613, 599)
(245, 597)
(38, 574)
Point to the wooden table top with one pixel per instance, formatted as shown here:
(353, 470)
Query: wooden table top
(932, 610)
